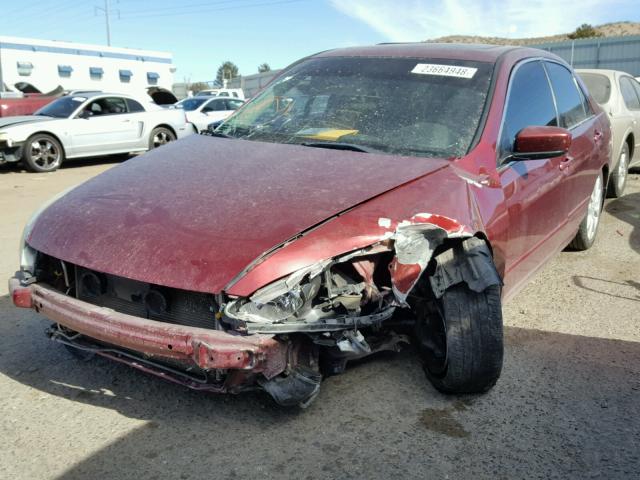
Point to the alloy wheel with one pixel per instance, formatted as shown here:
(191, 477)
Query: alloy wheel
(621, 174)
(45, 153)
(594, 209)
(161, 138)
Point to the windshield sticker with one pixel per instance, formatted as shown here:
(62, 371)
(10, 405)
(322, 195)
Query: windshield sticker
(78, 99)
(444, 70)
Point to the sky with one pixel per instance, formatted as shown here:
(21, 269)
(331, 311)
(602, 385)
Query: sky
(202, 34)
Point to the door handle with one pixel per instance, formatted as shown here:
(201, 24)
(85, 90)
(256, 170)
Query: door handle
(565, 162)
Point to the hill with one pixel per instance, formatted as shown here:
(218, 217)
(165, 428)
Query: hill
(607, 30)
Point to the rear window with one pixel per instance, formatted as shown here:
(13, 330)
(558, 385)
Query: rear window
(598, 85)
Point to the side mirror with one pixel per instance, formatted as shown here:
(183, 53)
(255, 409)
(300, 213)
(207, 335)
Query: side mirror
(86, 114)
(536, 143)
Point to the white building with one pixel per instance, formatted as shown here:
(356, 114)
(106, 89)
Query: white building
(47, 64)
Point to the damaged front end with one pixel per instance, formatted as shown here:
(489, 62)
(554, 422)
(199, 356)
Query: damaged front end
(357, 304)
(282, 338)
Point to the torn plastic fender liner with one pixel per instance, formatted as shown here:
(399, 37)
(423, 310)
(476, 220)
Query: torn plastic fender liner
(470, 262)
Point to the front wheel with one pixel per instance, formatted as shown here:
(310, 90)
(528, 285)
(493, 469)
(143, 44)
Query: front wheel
(42, 153)
(160, 136)
(461, 340)
(589, 226)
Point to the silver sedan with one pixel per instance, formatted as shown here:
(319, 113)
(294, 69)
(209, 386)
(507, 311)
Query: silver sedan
(619, 95)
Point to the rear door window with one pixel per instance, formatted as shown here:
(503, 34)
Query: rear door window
(629, 95)
(529, 104)
(571, 110)
(598, 85)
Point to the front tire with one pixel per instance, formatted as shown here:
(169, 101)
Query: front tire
(160, 136)
(461, 342)
(42, 153)
(586, 235)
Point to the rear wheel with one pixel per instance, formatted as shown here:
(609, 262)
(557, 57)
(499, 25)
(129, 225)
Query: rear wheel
(160, 136)
(42, 153)
(589, 226)
(618, 178)
(461, 340)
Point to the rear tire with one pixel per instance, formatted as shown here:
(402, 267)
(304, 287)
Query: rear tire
(586, 235)
(618, 179)
(160, 136)
(42, 153)
(462, 342)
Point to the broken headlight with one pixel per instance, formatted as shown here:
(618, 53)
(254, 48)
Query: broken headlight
(278, 301)
(335, 288)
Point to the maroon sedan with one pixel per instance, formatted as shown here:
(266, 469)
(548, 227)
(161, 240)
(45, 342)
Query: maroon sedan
(367, 198)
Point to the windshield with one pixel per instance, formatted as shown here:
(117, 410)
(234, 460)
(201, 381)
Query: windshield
(190, 104)
(62, 107)
(401, 106)
(598, 85)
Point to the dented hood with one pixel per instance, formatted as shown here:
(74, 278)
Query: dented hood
(193, 214)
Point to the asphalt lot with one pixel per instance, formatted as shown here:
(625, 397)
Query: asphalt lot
(566, 406)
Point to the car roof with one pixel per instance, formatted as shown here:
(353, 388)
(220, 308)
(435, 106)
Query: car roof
(466, 51)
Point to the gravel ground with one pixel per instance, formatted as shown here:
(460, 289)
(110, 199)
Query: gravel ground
(567, 404)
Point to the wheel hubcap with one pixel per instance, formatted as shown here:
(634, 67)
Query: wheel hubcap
(161, 138)
(594, 209)
(45, 154)
(622, 170)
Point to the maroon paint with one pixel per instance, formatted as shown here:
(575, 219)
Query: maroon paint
(543, 139)
(10, 107)
(206, 348)
(194, 214)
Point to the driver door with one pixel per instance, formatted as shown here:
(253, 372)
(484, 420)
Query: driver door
(104, 126)
(533, 189)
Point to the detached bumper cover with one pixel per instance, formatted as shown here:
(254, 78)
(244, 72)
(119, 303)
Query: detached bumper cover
(208, 349)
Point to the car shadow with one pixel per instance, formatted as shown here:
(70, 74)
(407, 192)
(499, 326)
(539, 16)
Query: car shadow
(565, 406)
(627, 209)
(609, 287)
(16, 167)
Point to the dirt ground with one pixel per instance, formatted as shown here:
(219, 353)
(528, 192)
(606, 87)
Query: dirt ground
(567, 404)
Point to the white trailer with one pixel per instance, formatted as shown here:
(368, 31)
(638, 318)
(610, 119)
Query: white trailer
(47, 64)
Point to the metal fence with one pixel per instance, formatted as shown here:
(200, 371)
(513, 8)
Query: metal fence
(615, 53)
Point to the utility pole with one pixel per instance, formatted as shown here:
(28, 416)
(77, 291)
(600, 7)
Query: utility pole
(107, 17)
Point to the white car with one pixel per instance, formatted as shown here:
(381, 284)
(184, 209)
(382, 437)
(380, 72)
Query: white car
(91, 124)
(201, 111)
(222, 92)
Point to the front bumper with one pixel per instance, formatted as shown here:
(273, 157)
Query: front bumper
(191, 346)
(11, 153)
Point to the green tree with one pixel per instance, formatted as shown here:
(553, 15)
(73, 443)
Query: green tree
(227, 70)
(264, 68)
(584, 31)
